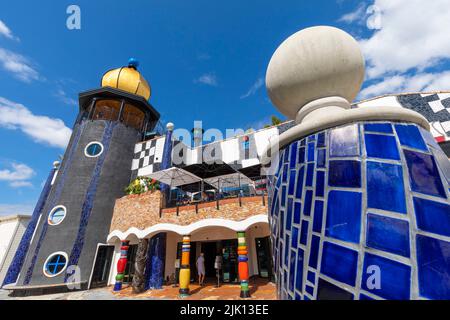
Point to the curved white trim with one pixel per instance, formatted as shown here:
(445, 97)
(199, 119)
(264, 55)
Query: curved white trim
(53, 211)
(48, 259)
(189, 229)
(91, 143)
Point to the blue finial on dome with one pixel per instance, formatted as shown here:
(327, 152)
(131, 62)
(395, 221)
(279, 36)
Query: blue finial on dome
(133, 63)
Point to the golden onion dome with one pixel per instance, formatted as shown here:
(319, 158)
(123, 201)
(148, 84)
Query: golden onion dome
(127, 79)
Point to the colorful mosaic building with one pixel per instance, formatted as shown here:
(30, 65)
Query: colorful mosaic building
(349, 192)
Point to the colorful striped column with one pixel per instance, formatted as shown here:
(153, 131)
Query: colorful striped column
(243, 265)
(121, 264)
(185, 271)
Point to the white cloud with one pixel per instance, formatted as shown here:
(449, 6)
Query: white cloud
(408, 83)
(9, 209)
(255, 87)
(42, 129)
(18, 175)
(357, 15)
(18, 65)
(209, 79)
(62, 95)
(413, 36)
(6, 32)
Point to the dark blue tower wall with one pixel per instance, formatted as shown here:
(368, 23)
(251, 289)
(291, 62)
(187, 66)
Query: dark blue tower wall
(88, 188)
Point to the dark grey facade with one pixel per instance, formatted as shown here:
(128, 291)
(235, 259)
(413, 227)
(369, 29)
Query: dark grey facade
(87, 187)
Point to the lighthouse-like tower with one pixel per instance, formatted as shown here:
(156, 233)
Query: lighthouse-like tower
(359, 200)
(77, 212)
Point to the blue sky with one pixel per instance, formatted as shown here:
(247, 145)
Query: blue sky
(205, 60)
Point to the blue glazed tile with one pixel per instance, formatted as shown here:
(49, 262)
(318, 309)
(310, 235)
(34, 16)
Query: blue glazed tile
(292, 176)
(311, 151)
(301, 155)
(328, 291)
(364, 297)
(297, 212)
(321, 158)
(311, 277)
(388, 234)
(424, 174)
(394, 277)
(385, 187)
(293, 156)
(299, 273)
(314, 253)
(383, 147)
(285, 173)
(308, 203)
(298, 297)
(312, 138)
(318, 216)
(303, 142)
(299, 188)
(286, 155)
(286, 250)
(310, 175)
(292, 271)
(344, 215)
(294, 237)
(310, 290)
(429, 139)
(433, 261)
(304, 232)
(281, 223)
(283, 196)
(379, 127)
(409, 136)
(339, 263)
(321, 140)
(289, 214)
(432, 216)
(307, 298)
(344, 141)
(320, 183)
(345, 173)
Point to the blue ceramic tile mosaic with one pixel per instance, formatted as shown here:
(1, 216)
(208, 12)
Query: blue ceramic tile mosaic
(344, 215)
(432, 216)
(339, 263)
(409, 136)
(345, 174)
(424, 174)
(380, 146)
(386, 183)
(385, 187)
(388, 234)
(386, 278)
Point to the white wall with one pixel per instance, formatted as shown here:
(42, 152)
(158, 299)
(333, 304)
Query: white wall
(7, 231)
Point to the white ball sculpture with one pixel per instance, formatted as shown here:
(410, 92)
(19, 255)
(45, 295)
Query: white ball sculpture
(314, 63)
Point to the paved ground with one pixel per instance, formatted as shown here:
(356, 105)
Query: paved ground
(260, 290)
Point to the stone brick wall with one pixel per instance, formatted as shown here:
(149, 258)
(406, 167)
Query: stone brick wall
(143, 211)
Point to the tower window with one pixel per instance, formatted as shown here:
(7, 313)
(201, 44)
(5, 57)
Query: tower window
(107, 110)
(57, 215)
(133, 116)
(93, 149)
(55, 264)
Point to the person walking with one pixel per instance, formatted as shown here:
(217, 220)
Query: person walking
(201, 269)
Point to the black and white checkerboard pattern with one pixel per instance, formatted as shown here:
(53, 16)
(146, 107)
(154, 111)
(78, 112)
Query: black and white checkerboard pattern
(148, 156)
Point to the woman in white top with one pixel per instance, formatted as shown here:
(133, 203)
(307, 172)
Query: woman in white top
(201, 269)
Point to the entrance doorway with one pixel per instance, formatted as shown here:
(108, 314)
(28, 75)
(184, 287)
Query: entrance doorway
(264, 257)
(210, 250)
(102, 267)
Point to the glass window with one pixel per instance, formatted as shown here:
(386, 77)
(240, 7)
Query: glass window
(57, 215)
(55, 264)
(133, 117)
(93, 149)
(107, 110)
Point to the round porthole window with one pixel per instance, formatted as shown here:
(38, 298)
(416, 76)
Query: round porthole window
(57, 215)
(93, 149)
(55, 264)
